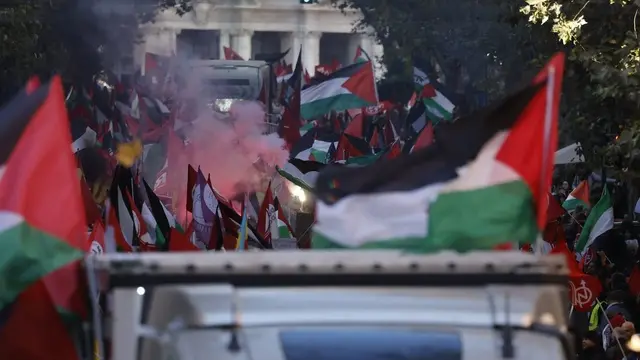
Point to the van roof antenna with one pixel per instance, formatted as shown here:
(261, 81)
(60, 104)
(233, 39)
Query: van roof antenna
(508, 350)
(234, 343)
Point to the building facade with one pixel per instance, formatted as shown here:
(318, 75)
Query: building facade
(251, 27)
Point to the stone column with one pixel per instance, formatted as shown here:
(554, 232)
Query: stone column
(311, 51)
(292, 41)
(173, 39)
(241, 43)
(160, 41)
(139, 49)
(225, 41)
(375, 51)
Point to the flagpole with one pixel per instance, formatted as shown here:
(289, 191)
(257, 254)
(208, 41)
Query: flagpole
(604, 312)
(548, 116)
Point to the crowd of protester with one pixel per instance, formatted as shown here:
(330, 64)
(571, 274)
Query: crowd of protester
(604, 332)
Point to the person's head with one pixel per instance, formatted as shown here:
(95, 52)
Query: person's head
(618, 282)
(616, 296)
(565, 185)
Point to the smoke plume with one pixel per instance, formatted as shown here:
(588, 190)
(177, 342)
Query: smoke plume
(235, 150)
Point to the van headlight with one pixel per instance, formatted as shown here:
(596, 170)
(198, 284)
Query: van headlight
(223, 105)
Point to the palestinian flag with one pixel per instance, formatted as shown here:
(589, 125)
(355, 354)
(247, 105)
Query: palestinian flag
(438, 107)
(416, 119)
(82, 136)
(361, 56)
(39, 178)
(599, 221)
(315, 145)
(578, 197)
(163, 220)
(376, 206)
(348, 88)
(351, 146)
(504, 192)
(279, 223)
(308, 126)
(289, 128)
(301, 173)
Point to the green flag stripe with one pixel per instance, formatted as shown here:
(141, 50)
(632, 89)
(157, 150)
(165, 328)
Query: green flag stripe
(600, 219)
(299, 182)
(434, 104)
(27, 255)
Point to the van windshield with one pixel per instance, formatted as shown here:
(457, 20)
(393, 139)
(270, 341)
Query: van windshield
(370, 344)
(241, 89)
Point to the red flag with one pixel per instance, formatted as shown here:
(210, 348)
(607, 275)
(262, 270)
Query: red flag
(264, 219)
(290, 130)
(96, 239)
(554, 209)
(192, 175)
(583, 291)
(180, 242)
(229, 54)
(356, 126)
(425, 138)
(561, 248)
(394, 151)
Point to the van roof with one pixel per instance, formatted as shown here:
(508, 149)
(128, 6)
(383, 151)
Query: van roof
(221, 63)
(331, 268)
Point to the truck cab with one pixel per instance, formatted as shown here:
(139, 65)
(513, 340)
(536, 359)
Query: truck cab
(338, 305)
(229, 81)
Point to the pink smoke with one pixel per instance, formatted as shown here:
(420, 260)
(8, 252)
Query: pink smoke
(235, 150)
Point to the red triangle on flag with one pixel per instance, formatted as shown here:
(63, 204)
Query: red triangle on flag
(425, 138)
(531, 143)
(229, 54)
(428, 91)
(362, 84)
(356, 126)
(554, 209)
(41, 174)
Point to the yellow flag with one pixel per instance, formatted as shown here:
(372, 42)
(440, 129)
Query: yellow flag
(128, 153)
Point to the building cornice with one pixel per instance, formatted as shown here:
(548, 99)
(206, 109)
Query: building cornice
(261, 16)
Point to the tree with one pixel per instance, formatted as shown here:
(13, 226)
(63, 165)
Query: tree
(473, 47)
(604, 59)
(42, 37)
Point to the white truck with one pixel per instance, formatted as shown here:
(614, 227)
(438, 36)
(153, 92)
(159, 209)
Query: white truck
(226, 81)
(338, 305)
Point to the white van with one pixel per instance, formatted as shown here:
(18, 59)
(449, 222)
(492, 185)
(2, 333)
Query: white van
(333, 305)
(226, 81)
